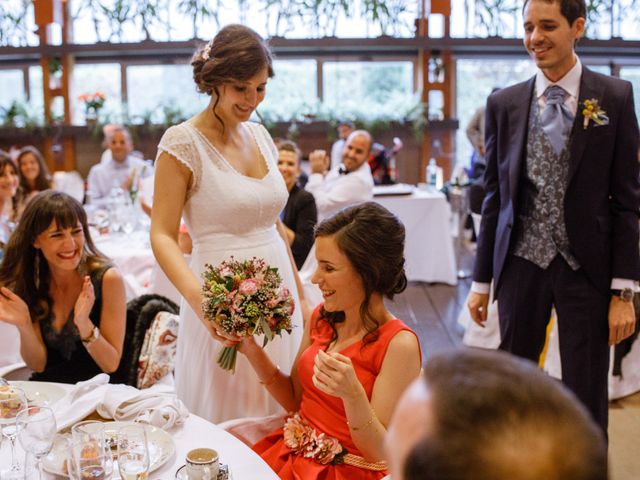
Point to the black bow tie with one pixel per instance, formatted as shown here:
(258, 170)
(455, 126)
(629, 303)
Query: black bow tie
(343, 170)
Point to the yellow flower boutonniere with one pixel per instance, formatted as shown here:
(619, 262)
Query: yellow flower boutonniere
(592, 111)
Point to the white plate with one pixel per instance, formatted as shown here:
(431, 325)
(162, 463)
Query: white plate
(161, 448)
(41, 392)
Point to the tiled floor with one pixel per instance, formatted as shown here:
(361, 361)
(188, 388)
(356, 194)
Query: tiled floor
(432, 311)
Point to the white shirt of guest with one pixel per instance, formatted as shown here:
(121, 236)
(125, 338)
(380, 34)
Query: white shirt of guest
(103, 176)
(337, 151)
(335, 192)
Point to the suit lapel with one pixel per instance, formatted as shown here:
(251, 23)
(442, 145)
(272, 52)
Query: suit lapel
(518, 129)
(589, 88)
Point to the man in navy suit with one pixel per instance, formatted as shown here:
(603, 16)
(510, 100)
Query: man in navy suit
(560, 217)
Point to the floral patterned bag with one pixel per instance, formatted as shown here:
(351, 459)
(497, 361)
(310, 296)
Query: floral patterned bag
(158, 353)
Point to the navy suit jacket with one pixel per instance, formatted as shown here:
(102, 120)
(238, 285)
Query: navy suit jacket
(602, 199)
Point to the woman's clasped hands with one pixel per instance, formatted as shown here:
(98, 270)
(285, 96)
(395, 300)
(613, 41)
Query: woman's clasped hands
(334, 374)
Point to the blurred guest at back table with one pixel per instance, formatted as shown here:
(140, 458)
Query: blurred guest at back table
(8, 189)
(34, 176)
(66, 299)
(300, 214)
(121, 170)
(344, 130)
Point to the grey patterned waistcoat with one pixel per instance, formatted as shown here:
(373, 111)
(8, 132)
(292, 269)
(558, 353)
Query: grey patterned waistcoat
(541, 232)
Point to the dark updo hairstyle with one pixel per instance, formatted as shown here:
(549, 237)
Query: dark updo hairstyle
(236, 53)
(24, 269)
(372, 238)
(43, 180)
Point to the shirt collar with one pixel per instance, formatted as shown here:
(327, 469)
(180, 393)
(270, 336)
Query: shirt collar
(570, 82)
(125, 164)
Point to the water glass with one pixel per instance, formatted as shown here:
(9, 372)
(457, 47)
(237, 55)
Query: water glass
(12, 401)
(36, 432)
(89, 461)
(133, 452)
(90, 433)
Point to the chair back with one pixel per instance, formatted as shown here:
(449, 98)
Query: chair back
(141, 312)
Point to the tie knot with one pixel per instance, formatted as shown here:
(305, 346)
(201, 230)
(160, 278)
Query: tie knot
(555, 94)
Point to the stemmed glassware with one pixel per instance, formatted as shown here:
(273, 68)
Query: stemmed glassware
(36, 432)
(12, 401)
(133, 452)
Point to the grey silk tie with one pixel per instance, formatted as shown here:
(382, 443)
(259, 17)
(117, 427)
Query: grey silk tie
(556, 118)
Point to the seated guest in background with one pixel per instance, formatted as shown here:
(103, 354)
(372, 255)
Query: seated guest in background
(347, 184)
(300, 214)
(487, 414)
(67, 301)
(34, 176)
(8, 189)
(355, 359)
(121, 170)
(337, 149)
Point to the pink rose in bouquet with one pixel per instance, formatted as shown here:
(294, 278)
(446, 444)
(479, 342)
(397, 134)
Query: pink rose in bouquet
(245, 298)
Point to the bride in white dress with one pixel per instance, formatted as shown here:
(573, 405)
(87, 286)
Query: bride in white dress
(220, 173)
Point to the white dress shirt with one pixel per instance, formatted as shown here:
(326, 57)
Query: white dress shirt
(337, 150)
(333, 192)
(103, 176)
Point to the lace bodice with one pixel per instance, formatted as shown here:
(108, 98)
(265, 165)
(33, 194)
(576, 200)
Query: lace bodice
(220, 200)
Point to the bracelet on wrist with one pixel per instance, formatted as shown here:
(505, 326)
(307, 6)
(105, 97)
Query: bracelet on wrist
(272, 378)
(355, 429)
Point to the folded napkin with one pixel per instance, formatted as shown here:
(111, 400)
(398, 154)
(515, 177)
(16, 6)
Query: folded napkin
(81, 400)
(153, 406)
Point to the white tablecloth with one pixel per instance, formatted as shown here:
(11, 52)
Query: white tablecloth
(134, 258)
(244, 464)
(429, 249)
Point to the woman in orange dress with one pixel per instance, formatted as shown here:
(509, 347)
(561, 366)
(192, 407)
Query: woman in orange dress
(355, 359)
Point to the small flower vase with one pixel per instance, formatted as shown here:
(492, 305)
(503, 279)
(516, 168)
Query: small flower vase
(91, 118)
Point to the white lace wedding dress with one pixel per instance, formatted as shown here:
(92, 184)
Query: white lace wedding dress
(227, 214)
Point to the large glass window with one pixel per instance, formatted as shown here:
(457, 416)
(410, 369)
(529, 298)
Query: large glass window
(105, 78)
(475, 80)
(292, 92)
(11, 87)
(633, 75)
(162, 93)
(368, 89)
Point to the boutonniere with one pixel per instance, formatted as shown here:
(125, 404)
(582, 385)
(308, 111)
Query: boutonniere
(592, 111)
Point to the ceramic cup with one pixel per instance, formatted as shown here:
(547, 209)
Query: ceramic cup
(202, 464)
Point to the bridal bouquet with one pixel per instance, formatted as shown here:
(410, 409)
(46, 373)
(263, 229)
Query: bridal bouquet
(245, 298)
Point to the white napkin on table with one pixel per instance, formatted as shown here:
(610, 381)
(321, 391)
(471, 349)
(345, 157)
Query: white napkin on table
(163, 410)
(81, 400)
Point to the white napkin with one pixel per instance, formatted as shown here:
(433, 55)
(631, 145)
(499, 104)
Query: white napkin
(163, 410)
(80, 401)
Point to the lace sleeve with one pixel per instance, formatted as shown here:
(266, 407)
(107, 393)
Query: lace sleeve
(178, 143)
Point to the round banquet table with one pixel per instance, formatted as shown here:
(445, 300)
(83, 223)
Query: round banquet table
(244, 463)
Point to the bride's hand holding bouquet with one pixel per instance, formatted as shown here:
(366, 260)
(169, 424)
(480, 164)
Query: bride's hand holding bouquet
(242, 299)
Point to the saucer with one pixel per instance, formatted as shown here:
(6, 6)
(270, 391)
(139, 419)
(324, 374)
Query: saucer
(223, 473)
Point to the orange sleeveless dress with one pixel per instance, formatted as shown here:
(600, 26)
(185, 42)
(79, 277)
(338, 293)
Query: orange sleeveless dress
(325, 413)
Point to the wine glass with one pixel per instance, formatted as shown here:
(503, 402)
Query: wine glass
(36, 432)
(12, 401)
(133, 452)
